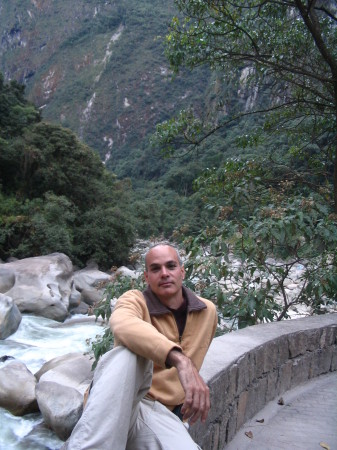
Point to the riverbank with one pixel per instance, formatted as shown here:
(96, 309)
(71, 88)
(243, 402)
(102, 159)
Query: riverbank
(37, 341)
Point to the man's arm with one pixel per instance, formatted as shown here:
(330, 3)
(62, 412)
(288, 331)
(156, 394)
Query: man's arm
(197, 401)
(131, 325)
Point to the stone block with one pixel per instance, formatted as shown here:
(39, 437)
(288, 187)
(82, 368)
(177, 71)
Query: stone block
(321, 362)
(284, 379)
(328, 337)
(272, 385)
(223, 431)
(298, 344)
(256, 398)
(271, 359)
(232, 422)
(334, 358)
(219, 395)
(259, 356)
(243, 376)
(266, 358)
(300, 370)
(283, 350)
(313, 339)
(242, 407)
(214, 442)
(233, 375)
(200, 431)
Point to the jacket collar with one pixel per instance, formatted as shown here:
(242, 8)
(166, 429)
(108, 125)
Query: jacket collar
(156, 308)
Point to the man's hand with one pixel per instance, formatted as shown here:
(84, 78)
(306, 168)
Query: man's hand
(197, 402)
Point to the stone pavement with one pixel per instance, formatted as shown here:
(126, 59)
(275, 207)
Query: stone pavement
(306, 421)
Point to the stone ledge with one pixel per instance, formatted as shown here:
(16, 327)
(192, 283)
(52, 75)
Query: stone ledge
(250, 367)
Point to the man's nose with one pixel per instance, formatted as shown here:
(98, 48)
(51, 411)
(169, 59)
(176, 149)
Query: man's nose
(164, 272)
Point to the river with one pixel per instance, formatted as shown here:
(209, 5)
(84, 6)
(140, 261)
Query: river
(37, 341)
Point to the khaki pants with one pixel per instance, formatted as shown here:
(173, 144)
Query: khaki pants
(118, 417)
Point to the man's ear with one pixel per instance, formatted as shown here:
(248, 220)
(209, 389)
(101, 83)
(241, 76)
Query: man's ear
(146, 276)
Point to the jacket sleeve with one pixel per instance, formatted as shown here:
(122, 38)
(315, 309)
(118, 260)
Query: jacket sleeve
(131, 325)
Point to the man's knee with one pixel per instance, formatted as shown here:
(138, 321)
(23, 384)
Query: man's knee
(120, 364)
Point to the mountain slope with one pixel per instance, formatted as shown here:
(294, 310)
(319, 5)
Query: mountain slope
(96, 67)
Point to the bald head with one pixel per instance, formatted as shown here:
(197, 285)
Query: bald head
(158, 247)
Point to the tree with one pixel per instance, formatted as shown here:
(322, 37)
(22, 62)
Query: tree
(284, 48)
(274, 212)
(265, 239)
(55, 193)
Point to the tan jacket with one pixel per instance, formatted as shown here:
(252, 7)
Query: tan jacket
(146, 327)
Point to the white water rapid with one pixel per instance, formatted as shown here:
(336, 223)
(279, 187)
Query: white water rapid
(37, 341)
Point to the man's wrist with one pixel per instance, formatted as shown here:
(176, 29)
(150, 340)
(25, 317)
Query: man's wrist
(174, 357)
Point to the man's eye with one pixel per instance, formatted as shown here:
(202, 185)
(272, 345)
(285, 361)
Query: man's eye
(172, 266)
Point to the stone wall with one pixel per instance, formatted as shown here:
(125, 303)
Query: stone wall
(248, 368)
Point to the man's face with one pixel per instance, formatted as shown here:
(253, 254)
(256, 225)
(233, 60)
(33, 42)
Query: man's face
(164, 274)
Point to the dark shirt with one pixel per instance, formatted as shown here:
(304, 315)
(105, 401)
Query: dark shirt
(180, 315)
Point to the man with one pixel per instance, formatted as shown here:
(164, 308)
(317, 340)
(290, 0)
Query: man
(163, 332)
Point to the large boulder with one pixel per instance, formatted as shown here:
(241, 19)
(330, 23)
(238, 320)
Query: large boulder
(61, 407)
(62, 383)
(88, 289)
(72, 369)
(126, 272)
(17, 388)
(10, 316)
(40, 285)
(90, 278)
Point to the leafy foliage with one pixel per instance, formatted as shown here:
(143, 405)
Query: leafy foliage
(56, 194)
(246, 261)
(284, 50)
(113, 291)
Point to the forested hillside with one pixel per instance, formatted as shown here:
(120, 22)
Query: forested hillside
(55, 193)
(98, 68)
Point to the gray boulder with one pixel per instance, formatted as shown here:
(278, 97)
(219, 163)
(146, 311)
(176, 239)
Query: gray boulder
(10, 316)
(17, 389)
(74, 298)
(7, 279)
(72, 369)
(82, 308)
(88, 288)
(60, 391)
(61, 407)
(126, 272)
(90, 297)
(89, 279)
(39, 285)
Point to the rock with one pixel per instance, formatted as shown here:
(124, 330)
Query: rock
(89, 284)
(74, 298)
(60, 391)
(61, 407)
(10, 316)
(90, 278)
(42, 284)
(127, 272)
(72, 369)
(6, 358)
(7, 279)
(17, 389)
(90, 297)
(82, 308)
